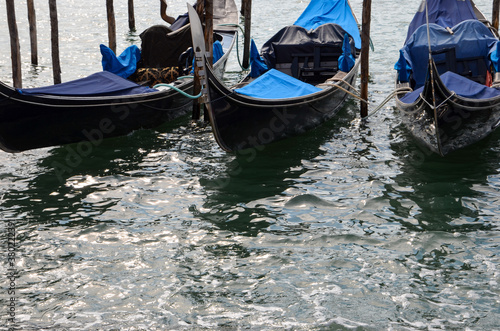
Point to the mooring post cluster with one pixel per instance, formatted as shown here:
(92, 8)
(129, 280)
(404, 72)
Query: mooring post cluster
(54, 36)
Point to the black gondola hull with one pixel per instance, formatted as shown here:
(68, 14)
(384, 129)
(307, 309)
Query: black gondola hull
(29, 122)
(37, 121)
(241, 122)
(455, 123)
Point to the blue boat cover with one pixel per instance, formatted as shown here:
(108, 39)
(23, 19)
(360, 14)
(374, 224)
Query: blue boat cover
(346, 60)
(471, 38)
(403, 68)
(180, 21)
(319, 12)
(217, 51)
(102, 83)
(257, 64)
(446, 13)
(495, 55)
(123, 65)
(460, 85)
(276, 85)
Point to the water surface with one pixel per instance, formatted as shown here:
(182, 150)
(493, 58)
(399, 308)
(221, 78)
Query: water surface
(350, 226)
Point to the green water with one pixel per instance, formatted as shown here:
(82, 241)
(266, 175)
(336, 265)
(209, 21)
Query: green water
(349, 227)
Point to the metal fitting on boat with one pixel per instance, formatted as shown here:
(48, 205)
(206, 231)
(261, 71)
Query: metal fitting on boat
(496, 80)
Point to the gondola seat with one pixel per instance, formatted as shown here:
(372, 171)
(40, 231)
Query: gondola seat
(310, 56)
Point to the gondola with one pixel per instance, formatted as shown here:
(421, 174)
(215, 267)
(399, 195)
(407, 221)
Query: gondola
(447, 93)
(300, 79)
(104, 104)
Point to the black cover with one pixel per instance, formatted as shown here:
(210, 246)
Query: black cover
(161, 47)
(292, 40)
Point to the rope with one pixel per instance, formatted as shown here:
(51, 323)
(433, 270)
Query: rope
(185, 77)
(387, 99)
(347, 91)
(442, 103)
(343, 89)
(179, 90)
(237, 41)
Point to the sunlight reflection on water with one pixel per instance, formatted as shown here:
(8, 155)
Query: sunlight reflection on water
(347, 227)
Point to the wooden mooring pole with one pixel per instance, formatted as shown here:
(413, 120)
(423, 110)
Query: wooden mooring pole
(131, 15)
(33, 38)
(111, 25)
(495, 13)
(246, 10)
(15, 48)
(196, 114)
(54, 38)
(365, 51)
(209, 43)
(209, 30)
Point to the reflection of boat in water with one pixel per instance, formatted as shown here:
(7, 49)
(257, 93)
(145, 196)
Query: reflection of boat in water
(106, 104)
(446, 99)
(245, 195)
(432, 193)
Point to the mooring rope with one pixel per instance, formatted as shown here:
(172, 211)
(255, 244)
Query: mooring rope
(187, 95)
(237, 41)
(386, 100)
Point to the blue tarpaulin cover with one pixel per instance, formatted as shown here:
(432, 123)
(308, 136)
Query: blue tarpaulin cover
(495, 55)
(460, 85)
(403, 68)
(471, 38)
(102, 83)
(217, 51)
(258, 66)
(319, 12)
(446, 13)
(123, 65)
(276, 85)
(346, 60)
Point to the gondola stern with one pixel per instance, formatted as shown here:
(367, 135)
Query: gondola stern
(214, 85)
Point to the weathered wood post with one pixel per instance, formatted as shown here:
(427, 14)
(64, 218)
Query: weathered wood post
(246, 9)
(15, 48)
(365, 51)
(33, 37)
(200, 9)
(209, 30)
(54, 38)
(495, 13)
(131, 15)
(209, 41)
(111, 25)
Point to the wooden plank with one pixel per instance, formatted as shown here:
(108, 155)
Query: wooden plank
(15, 48)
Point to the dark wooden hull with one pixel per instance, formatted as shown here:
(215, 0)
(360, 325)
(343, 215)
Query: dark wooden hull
(240, 122)
(455, 123)
(29, 122)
